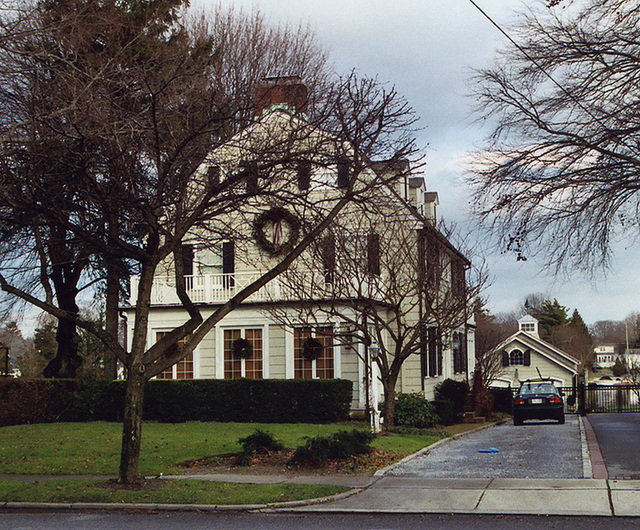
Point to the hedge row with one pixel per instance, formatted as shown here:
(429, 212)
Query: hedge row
(242, 400)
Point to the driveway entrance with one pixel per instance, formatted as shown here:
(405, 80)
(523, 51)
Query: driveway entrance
(533, 450)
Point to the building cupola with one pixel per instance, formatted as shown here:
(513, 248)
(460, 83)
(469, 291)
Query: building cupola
(529, 325)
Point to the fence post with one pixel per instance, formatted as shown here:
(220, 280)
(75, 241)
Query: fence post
(582, 397)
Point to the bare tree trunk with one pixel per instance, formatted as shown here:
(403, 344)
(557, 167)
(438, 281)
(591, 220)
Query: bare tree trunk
(389, 385)
(67, 361)
(132, 427)
(111, 316)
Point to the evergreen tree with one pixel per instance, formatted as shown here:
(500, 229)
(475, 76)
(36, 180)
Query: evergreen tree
(552, 314)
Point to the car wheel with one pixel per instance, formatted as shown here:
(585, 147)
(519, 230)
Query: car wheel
(517, 420)
(561, 419)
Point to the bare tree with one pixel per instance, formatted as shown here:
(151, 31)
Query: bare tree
(47, 259)
(558, 175)
(142, 133)
(386, 277)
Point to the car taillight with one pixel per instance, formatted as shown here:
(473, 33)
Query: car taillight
(519, 401)
(555, 399)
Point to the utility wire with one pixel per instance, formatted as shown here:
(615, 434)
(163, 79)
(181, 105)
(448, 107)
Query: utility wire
(538, 65)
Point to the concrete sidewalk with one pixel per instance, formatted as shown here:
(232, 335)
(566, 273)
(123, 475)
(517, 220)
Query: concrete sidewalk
(491, 496)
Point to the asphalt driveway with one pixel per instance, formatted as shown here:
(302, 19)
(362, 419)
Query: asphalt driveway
(619, 440)
(533, 450)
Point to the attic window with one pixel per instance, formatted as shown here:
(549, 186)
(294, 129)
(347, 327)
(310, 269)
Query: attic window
(528, 327)
(516, 357)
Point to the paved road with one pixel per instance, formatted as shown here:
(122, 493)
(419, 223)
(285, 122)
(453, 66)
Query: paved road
(277, 521)
(619, 438)
(533, 450)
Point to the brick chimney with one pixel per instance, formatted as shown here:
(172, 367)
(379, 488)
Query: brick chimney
(287, 92)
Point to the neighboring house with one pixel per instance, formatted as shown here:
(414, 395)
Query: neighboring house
(632, 357)
(605, 355)
(249, 342)
(525, 355)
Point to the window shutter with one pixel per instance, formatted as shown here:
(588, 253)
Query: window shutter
(463, 349)
(304, 175)
(527, 358)
(228, 261)
(456, 355)
(433, 352)
(343, 174)
(213, 176)
(505, 358)
(187, 260)
(250, 174)
(328, 249)
(373, 254)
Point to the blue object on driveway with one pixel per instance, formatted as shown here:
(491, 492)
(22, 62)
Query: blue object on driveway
(490, 450)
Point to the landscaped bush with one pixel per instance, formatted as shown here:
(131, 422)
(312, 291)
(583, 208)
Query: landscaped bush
(241, 400)
(35, 400)
(414, 410)
(455, 391)
(343, 444)
(445, 411)
(258, 442)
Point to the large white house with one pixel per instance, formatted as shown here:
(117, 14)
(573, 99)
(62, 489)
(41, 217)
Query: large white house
(261, 338)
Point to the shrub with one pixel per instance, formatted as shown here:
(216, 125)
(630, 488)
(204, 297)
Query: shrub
(338, 446)
(415, 411)
(242, 400)
(259, 442)
(455, 391)
(445, 411)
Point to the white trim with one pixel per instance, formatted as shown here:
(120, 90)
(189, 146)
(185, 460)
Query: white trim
(337, 352)
(219, 346)
(266, 352)
(289, 369)
(359, 351)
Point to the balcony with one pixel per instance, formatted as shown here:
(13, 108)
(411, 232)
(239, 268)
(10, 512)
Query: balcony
(208, 288)
(219, 288)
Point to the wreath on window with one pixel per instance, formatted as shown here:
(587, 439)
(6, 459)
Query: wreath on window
(276, 217)
(242, 349)
(312, 349)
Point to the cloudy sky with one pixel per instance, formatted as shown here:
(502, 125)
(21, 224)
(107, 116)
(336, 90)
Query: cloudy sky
(426, 48)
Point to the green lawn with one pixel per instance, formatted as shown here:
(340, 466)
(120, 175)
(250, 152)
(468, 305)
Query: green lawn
(94, 448)
(173, 492)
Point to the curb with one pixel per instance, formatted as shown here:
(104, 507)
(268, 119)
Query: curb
(86, 506)
(425, 450)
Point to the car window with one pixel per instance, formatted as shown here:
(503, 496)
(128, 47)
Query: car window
(538, 388)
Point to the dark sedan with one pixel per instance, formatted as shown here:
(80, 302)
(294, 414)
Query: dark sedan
(538, 400)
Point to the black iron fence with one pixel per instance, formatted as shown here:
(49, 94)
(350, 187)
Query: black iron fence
(593, 398)
(611, 398)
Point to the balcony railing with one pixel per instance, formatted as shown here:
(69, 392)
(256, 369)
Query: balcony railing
(219, 288)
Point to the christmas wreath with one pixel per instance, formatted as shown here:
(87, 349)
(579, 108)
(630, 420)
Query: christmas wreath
(312, 349)
(242, 349)
(277, 244)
